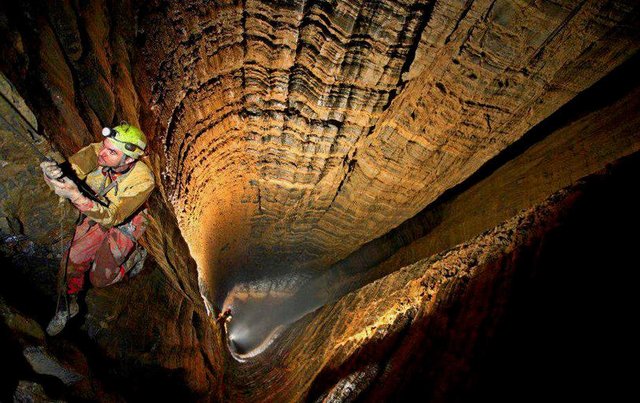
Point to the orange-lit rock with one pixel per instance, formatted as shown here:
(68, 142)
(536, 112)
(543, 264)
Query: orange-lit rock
(294, 132)
(289, 135)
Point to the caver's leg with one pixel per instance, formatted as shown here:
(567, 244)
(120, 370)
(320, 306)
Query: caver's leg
(107, 267)
(86, 241)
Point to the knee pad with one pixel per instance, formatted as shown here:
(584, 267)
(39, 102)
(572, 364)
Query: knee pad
(104, 276)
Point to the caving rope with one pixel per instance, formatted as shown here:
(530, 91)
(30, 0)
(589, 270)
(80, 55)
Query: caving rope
(62, 280)
(84, 188)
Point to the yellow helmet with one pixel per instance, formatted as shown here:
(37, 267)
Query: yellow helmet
(128, 139)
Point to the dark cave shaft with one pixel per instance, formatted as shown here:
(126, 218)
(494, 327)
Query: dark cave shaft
(432, 197)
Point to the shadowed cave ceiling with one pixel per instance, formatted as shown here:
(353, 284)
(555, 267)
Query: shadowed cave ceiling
(296, 131)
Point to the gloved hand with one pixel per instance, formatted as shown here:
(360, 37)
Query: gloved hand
(65, 188)
(51, 169)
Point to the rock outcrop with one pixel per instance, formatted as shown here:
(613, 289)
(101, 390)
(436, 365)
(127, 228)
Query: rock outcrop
(594, 129)
(506, 315)
(319, 126)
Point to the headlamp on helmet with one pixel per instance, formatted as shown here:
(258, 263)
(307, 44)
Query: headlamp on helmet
(128, 139)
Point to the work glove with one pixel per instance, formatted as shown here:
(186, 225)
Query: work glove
(64, 187)
(51, 169)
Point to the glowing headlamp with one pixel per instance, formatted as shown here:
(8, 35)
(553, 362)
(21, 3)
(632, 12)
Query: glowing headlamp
(113, 134)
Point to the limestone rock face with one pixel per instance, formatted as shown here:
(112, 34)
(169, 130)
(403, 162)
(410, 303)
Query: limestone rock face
(296, 131)
(591, 131)
(288, 135)
(504, 314)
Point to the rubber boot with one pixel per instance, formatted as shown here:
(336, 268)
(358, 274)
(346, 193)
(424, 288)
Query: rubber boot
(63, 315)
(58, 322)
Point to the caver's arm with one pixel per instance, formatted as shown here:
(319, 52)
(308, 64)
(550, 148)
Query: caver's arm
(121, 206)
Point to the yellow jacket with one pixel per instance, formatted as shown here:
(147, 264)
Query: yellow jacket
(132, 190)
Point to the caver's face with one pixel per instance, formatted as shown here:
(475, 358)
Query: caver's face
(110, 156)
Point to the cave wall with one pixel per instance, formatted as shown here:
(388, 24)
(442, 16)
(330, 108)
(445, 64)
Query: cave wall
(532, 309)
(318, 126)
(584, 145)
(150, 336)
(285, 136)
(288, 134)
(27, 208)
(73, 60)
(594, 129)
(590, 132)
(67, 66)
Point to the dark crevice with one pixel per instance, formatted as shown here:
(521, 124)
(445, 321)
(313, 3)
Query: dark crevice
(425, 17)
(350, 166)
(462, 16)
(377, 353)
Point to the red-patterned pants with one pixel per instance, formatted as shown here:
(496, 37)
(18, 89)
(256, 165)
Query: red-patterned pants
(101, 251)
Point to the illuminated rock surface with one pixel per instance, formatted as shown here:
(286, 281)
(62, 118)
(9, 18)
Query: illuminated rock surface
(305, 149)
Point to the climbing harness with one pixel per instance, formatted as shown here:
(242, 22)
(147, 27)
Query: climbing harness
(107, 172)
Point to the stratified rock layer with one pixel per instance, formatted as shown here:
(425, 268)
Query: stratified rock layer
(296, 131)
(594, 129)
(503, 316)
(287, 134)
